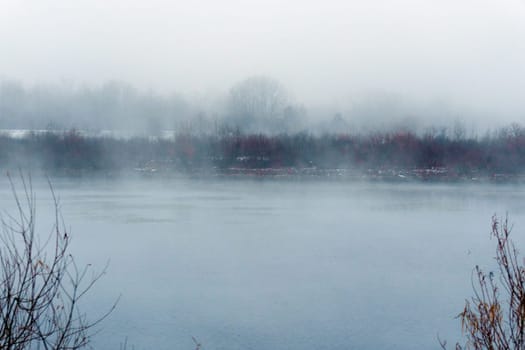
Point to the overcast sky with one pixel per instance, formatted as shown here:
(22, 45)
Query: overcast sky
(468, 53)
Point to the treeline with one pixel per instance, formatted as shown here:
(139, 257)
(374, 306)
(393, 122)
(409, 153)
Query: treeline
(113, 105)
(256, 104)
(502, 152)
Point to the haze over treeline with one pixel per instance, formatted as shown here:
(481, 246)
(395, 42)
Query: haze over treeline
(257, 104)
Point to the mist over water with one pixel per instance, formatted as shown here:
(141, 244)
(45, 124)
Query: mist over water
(279, 264)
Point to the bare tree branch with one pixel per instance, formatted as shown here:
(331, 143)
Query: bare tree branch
(41, 283)
(494, 318)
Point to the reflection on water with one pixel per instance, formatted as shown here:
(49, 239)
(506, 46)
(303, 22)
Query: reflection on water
(280, 265)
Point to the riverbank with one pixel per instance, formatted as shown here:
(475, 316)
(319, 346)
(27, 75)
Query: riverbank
(399, 156)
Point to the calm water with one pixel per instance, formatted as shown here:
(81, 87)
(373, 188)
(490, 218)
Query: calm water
(279, 265)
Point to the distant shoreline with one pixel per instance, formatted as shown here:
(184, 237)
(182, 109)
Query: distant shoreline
(351, 175)
(389, 157)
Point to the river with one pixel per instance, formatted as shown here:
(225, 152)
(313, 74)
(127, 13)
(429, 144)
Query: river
(266, 264)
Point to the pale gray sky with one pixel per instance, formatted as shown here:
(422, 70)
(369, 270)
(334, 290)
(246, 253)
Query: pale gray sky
(468, 53)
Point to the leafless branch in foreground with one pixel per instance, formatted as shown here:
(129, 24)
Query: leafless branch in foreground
(40, 282)
(494, 317)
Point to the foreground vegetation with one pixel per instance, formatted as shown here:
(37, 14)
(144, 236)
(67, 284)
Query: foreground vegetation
(432, 155)
(494, 318)
(41, 286)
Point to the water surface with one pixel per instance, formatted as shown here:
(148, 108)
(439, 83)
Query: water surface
(279, 265)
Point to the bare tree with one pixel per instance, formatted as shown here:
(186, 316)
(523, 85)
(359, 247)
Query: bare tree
(494, 318)
(257, 100)
(40, 283)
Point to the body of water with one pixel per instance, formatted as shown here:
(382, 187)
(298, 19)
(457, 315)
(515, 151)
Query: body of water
(279, 264)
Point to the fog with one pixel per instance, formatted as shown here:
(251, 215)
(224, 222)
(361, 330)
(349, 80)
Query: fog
(257, 104)
(267, 174)
(422, 60)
